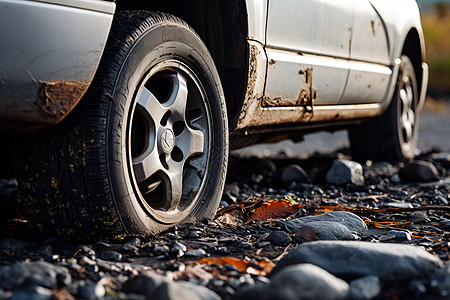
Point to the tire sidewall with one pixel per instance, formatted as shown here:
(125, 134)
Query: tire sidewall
(402, 150)
(158, 43)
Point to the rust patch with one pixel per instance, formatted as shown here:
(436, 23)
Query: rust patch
(372, 24)
(251, 81)
(55, 99)
(306, 97)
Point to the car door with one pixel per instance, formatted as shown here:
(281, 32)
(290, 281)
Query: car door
(369, 56)
(308, 47)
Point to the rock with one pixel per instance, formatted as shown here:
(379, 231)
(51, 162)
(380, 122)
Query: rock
(43, 251)
(34, 273)
(324, 230)
(263, 244)
(418, 171)
(440, 281)
(289, 174)
(202, 292)
(146, 282)
(195, 253)
(345, 171)
(400, 235)
(365, 288)
(302, 281)
(136, 242)
(244, 245)
(232, 189)
(34, 292)
(172, 291)
(336, 225)
(111, 255)
(91, 291)
(279, 238)
(351, 259)
(13, 245)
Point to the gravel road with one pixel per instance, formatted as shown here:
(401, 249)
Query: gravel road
(296, 220)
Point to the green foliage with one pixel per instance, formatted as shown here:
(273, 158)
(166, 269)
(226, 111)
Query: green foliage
(436, 28)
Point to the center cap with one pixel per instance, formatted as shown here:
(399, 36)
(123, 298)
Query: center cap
(167, 140)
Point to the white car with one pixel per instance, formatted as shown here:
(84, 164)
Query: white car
(122, 114)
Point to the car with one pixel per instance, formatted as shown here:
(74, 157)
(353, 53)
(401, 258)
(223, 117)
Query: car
(118, 117)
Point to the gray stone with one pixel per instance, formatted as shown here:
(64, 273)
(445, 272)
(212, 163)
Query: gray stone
(440, 281)
(324, 230)
(34, 292)
(172, 291)
(13, 245)
(195, 253)
(33, 273)
(91, 291)
(418, 171)
(365, 288)
(279, 238)
(289, 174)
(345, 171)
(302, 281)
(334, 225)
(146, 282)
(111, 255)
(400, 235)
(201, 291)
(351, 259)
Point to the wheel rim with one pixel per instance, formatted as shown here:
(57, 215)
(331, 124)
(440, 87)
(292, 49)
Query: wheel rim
(407, 118)
(168, 141)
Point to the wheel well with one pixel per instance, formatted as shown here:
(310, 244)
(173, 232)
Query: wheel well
(412, 49)
(222, 25)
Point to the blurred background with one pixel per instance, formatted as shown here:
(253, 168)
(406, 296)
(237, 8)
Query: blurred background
(434, 129)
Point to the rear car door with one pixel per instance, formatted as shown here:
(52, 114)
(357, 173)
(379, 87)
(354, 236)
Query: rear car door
(308, 47)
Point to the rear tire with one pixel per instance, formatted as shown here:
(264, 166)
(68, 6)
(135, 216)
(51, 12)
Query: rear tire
(146, 148)
(394, 135)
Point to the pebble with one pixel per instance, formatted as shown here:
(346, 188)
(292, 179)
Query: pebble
(290, 174)
(34, 273)
(351, 259)
(172, 291)
(301, 281)
(91, 291)
(336, 225)
(201, 291)
(146, 282)
(345, 171)
(195, 253)
(400, 235)
(111, 255)
(440, 281)
(418, 171)
(13, 245)
(263, 244)
(34, 292)
(244, 245)
(279, 238)
(365, 288)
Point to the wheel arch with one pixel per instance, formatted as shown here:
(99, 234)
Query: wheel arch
(223, 27)
(414, 49)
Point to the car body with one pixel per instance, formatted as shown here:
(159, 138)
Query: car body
(122, 114)
(350, 49)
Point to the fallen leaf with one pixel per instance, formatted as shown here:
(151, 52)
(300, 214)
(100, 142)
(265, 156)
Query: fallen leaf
(272, 209)
(262, 267)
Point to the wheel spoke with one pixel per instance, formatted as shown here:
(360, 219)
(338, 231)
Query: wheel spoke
(146, 165)
(153, 108)
(190, 141)
(174, 185)
(178, 97)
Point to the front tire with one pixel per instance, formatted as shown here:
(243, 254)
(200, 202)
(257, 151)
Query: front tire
(147, 147)
(394, 135)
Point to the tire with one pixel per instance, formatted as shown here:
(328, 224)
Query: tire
(146, 148)
(394, 135)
